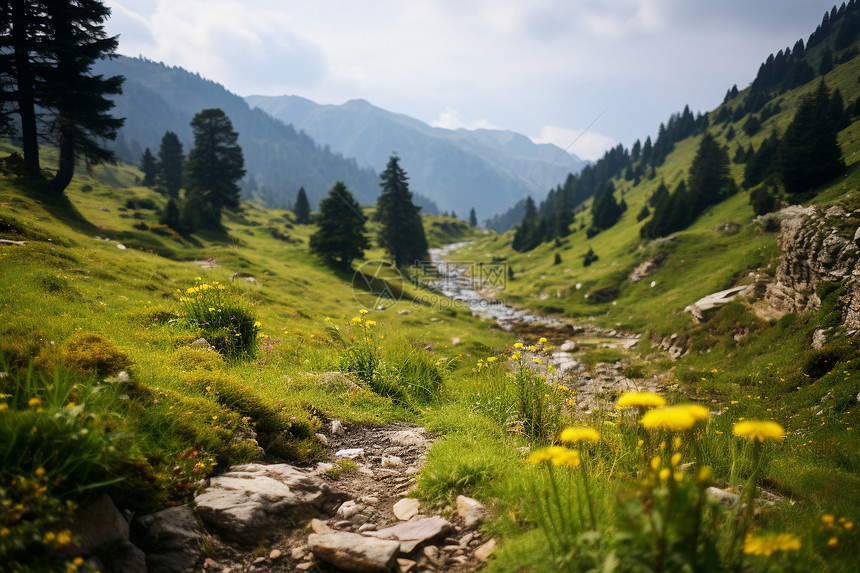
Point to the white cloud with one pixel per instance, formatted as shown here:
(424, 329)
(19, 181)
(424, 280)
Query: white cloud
(452, 119)
(588, 145)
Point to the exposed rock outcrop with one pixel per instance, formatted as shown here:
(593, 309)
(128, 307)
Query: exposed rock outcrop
(814, 250)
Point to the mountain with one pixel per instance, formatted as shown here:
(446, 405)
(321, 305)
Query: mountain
(157, 98)
(458, 169)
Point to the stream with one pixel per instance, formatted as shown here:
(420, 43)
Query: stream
(478, 286)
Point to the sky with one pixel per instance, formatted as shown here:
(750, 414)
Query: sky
(583, 74)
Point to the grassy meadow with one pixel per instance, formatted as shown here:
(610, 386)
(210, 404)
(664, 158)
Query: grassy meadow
(105, 386)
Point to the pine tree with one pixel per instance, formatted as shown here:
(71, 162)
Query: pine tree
(402, 232)
(473, 218)
(214, 165)
(149, 168)
(171, 164)
(605, 211)
(525, 235)
(171, 216)
(302, 208)
(809, 153)
(710, 180)
(49, 48)
(340, 237)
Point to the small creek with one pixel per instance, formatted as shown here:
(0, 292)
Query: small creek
(478, 287)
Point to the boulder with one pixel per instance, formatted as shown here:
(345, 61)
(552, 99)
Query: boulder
(248, 502)
(354, 552)
(171, 539)
(96, 525)
(411, 534)
(699, 308)
(406, 509)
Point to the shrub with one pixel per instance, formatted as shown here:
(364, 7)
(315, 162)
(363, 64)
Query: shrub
(92, 353)
(222, 317)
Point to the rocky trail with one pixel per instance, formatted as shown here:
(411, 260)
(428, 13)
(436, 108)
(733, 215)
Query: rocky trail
(349, 515)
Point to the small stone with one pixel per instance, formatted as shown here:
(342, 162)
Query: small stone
(471, 510)
(298, 553)
(368, 499)
(306, 566)
(350, 453)
(275, 554)
(259, 560)
(321, 438)
(344, 524)
(367, 527)
(406, 565)
(336, 427)
(348, 508)
(391, 461)
(485, 550)
(210, 564)
(464, 542)
(431, 552)
(406, 508)
(320, 526)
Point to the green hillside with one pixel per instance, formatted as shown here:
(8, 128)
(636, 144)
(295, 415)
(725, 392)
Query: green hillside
(106, 385)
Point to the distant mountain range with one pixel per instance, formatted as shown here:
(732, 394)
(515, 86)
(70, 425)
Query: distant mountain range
(290, 142)
(458, 169)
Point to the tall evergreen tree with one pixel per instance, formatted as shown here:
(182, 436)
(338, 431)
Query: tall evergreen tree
(79, 98)
(525, 237)
(214, 165)
(171, 165)
(149, 168)
(402, 232)
(302, 208)
(809, 153)
(605, 211)
(47, 51)
(340, 237)
(473, 218)
(710, 180)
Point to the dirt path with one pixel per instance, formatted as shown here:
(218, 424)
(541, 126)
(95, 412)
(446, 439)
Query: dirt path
(386, 461)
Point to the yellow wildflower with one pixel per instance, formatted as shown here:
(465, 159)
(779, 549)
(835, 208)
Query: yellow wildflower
(672, 418)
(518, 345)
(827, 520)
(575, 435)
(370, 323)
(491, 359)
(40, 472)
(532, 348)
(759, 430)
(655, 463)
(567, 458)
(705, 474)
(542, 340)
(33, 402)
(362, 311)
(355, 319)
(641, 400)
(676, 459)
(258, 324)
(3, 406)
(832, 542)
(767, 545)
(664, 474)
(545, 454)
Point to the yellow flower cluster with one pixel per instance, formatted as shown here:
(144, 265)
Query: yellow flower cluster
(557, 456)
(575, 435)
(767, 545)
(641, 400)
(674, 418)
(759, 430)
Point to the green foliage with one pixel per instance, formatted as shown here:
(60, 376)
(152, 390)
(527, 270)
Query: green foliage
(809, 152)
(149, 168)
(340, 237)
(222, 317)
(171, 164)
(214, 165)
(92, 353)
(302, 208)
(402, 232)
(605, 211)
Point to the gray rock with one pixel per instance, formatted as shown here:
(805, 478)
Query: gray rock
(98, 524)
(124, 558)
(171, 539)
(354, 552)
(484, 551)
(406, 509)
(247, 503)
(471, 510)
(411, 534)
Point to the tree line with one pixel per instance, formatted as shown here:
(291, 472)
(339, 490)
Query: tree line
(47, 52)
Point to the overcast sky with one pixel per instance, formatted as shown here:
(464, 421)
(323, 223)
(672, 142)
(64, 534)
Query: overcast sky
(543, 68)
